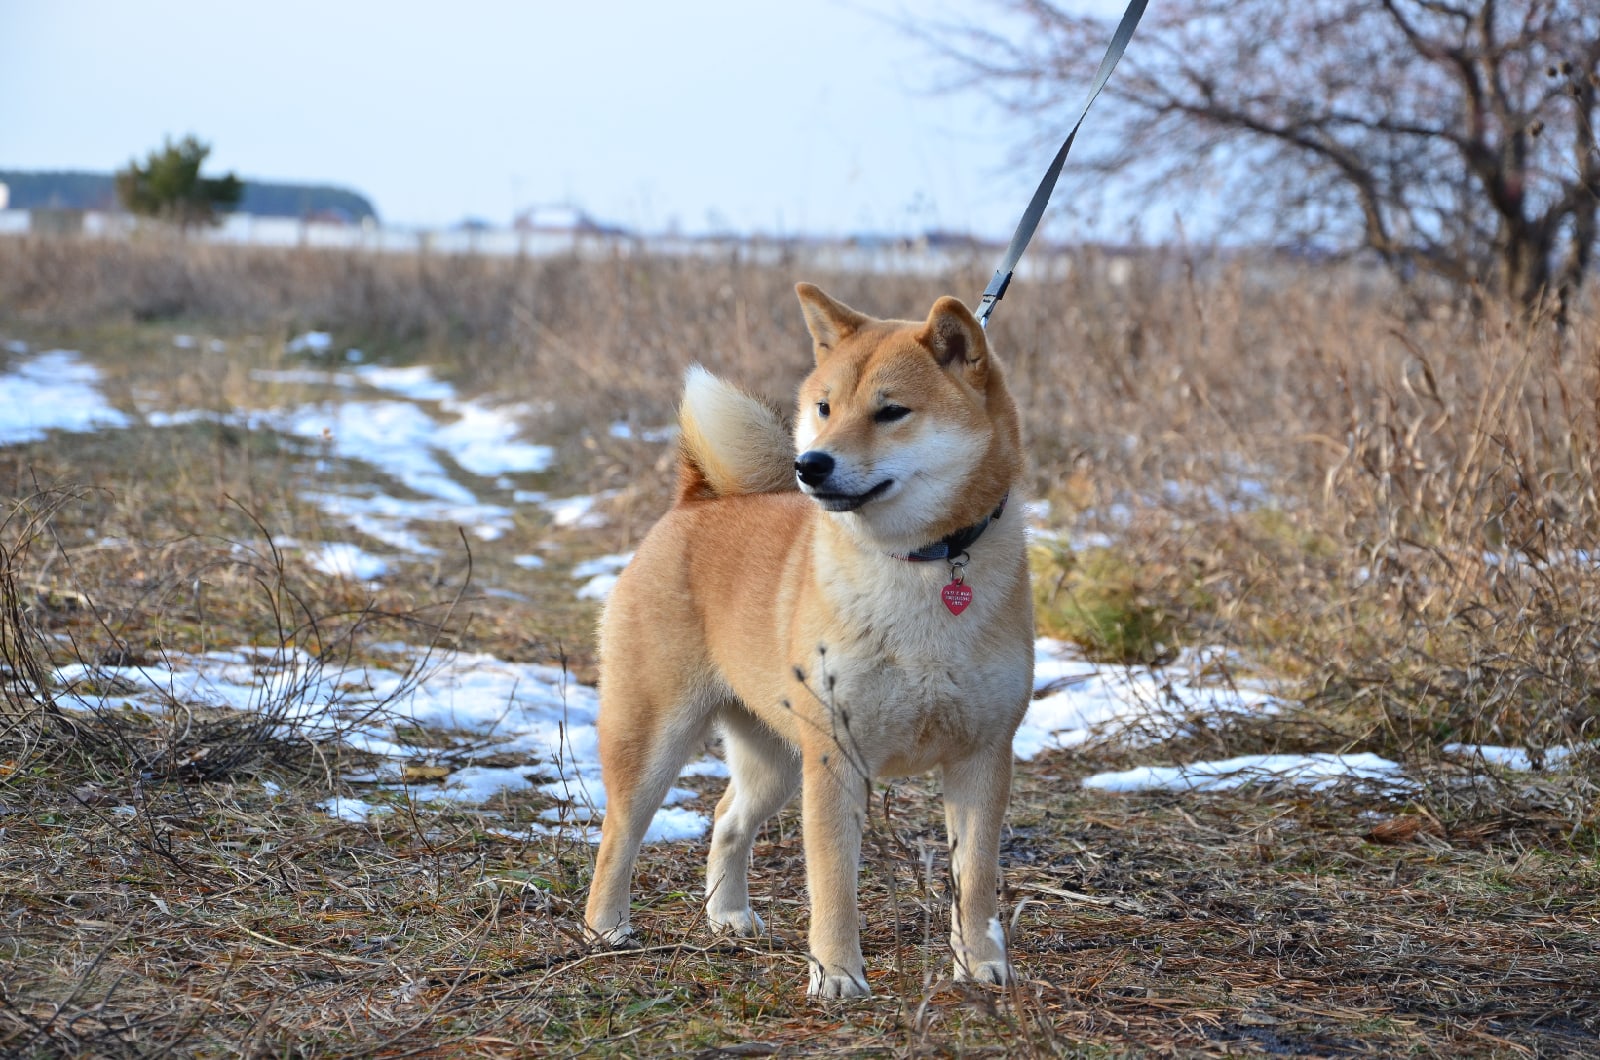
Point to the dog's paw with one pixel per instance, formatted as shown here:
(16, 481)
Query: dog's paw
(995, 973)
(837, 984)
(743, 922)
(618, 938)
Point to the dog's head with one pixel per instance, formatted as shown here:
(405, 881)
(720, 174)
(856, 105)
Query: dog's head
(907, 425)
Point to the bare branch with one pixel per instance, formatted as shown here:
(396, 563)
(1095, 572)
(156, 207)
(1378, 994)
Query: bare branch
(1453, 137)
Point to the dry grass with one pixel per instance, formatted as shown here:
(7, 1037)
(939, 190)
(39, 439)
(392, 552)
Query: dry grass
(221, 921)
(1390, 517)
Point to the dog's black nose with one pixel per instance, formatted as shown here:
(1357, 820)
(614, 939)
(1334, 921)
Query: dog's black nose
(813, 467)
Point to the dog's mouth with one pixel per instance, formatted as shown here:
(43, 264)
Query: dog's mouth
(849, 502)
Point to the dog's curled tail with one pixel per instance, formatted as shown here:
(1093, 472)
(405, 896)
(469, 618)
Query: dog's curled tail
(730, 442)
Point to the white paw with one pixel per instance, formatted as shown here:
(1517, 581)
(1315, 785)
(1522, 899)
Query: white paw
(986, 962)
(618, 938)
(741, 922)
(996, 973)
(837, 984)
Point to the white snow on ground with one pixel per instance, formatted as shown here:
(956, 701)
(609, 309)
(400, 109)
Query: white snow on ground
(596, 809)
(344, 809)
(476, 785)
(347, 561)
(483, 442)
(247, 679)
(1555, 559)
(1081, 701)
(536, 712)
(310, 342)
(601, 565)
(622, 429)
(600, 575)
(671, 825)
(1516, 759)
(396, 437)
(415, 382)
(1314, 771)
(500, 708)
(388, 519)
(52, 391)
(189, 342)
(401, 440)
(597, 588)
(578, 513)
(403, 437)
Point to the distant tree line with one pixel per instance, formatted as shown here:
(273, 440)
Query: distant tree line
(76, 190)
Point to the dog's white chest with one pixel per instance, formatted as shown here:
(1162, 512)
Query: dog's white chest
(924, 685)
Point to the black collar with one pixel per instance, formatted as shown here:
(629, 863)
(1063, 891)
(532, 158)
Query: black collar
(952, 545)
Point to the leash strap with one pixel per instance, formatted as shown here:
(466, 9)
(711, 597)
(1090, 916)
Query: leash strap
(1041, 197)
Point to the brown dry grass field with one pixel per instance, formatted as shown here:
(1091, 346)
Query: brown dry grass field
(1380, 507)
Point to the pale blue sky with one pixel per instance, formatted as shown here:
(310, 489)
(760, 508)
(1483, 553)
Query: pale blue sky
(813, 117)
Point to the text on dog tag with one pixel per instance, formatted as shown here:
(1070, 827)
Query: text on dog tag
(956, 595)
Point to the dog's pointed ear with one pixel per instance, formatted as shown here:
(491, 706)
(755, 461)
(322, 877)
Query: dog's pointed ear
(956, 340)
(828, 320)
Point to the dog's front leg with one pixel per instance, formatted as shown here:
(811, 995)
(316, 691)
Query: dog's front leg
(976, 790)
(833, 813)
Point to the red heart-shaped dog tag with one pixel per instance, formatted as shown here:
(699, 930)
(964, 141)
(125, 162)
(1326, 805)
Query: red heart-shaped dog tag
(956, 597)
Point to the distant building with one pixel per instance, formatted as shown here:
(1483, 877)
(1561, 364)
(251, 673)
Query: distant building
(565, 220)
(939, 239)
(55, 221)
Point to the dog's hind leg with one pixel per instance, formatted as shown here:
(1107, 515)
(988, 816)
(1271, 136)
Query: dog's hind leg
(641, 754)
(765, 771)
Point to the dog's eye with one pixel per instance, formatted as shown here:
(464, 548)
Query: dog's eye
(822, 410)
(890, 413)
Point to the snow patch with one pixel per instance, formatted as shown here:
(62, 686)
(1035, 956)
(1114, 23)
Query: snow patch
(1079, 701)
(1516, 759)
(347, 561)
(358, 810)
(600, 575)
(53, 391)
(578, 513)
(1315, 771)
(528, 711)
(310, 342)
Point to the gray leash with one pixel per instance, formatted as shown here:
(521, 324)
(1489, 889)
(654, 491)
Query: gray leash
(1041, 197)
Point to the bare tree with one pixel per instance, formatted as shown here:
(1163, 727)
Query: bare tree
(1451, 138)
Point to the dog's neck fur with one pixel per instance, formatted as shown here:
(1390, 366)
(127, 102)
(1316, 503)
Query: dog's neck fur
(954, 544)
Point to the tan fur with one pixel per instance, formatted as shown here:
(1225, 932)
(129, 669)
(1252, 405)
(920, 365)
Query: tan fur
(732, 442)
(824, 658)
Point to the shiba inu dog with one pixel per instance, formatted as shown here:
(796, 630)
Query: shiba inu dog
(859, 610)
